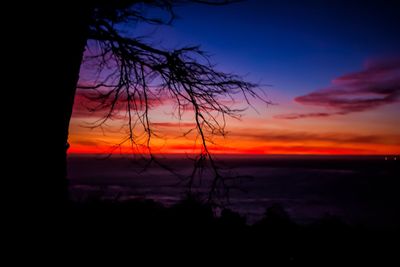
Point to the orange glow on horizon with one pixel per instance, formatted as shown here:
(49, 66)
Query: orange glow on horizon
(272, 150)
(259, 134)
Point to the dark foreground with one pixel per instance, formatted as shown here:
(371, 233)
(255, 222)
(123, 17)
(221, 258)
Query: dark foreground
(358, 189)
(145, 232)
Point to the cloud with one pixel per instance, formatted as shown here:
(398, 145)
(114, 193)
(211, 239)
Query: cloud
(298, 136)
(86, 142)
(268, 149)
(375, 86)
(316, 150)
(174, 124)
(293, 116)
(88, 103)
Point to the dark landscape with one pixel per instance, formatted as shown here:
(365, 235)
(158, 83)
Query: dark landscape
(357, 189)
(345, 216)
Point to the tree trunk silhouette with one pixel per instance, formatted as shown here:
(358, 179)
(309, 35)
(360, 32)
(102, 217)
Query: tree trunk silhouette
(67, 44)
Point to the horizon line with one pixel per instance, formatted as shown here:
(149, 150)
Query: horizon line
(236, 154)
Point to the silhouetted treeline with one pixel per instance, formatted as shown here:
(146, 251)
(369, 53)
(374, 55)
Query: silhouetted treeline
(190, 232)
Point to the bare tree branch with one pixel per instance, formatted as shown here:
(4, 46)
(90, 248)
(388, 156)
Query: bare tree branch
(130, 71)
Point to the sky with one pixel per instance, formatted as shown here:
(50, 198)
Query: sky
(330, 68)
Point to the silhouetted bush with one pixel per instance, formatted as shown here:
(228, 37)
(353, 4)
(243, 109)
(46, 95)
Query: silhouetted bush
(191, 227)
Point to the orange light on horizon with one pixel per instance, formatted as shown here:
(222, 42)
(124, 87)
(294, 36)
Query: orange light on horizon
(262, 150)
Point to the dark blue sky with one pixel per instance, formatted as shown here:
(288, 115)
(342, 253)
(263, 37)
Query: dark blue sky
(296, 46)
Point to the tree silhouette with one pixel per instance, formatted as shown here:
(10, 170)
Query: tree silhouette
(131, 71)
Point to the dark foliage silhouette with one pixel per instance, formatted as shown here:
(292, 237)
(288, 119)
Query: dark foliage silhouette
(196, 232)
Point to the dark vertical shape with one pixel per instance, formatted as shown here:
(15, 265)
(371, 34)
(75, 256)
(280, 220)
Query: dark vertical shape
(73, 43)
(61, 50)
(69, 66)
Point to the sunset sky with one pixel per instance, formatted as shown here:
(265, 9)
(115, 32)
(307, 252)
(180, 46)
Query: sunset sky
(330, 68)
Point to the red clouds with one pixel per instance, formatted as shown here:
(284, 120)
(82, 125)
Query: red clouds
(175, 124)
(293, 116)
(375, 86)
(89, 103)
(291, 137)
